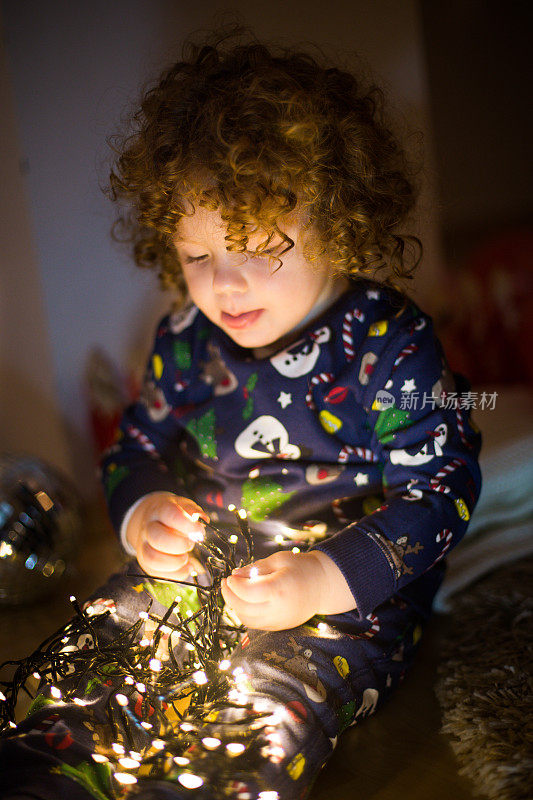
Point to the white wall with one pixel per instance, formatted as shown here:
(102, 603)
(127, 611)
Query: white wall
(30, 420)
(74, 66)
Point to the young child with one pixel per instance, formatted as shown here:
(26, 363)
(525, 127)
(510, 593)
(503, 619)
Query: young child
(267, 191)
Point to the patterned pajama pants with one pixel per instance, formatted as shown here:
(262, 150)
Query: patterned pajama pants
(313, 682)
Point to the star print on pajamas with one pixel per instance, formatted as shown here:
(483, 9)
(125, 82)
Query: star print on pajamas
(284, 399)
(409, 385)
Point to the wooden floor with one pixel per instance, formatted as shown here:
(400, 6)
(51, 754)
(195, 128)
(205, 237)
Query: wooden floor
(398, 755)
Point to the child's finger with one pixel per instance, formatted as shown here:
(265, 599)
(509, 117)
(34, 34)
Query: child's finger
(264, 566)
(252, 615)
(162, 564)
(167, 540)
(252, 589)
(185, 520)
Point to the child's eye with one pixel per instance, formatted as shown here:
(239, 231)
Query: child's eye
(264, 253)
(194, 259)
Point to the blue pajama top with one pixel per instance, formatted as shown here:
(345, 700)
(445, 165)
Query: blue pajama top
(348, 440)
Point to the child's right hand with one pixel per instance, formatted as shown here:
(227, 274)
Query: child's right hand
(163, 533)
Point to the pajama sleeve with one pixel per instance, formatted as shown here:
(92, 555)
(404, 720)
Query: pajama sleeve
(146, 453)
(428, 451)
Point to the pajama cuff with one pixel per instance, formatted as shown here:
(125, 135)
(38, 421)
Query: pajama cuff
(364, 565)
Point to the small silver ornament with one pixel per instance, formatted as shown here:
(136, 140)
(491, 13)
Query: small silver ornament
(40, 523)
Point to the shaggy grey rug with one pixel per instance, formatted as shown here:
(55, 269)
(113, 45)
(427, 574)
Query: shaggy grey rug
(485, 683)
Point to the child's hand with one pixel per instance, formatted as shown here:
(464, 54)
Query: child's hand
(286, 589)
(163, 531)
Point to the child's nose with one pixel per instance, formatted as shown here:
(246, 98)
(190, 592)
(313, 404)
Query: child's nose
(229, 276)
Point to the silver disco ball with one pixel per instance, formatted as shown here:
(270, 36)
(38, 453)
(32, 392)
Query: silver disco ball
(40, 524)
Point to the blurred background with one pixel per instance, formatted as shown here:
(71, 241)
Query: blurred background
(71, 302)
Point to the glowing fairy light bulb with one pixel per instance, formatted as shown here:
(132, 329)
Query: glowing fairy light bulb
(6, 550)
(99, 758)
(189, 646)
(231, 507)
(211, 742)
(186, 727)
(54, 691)
(237, 697)
(254, 473)
(233, 539)
(165, 630)
(72, 598)
(181, 761)
(296, 550)
(254, 573)
(129, 680)
(125, 778)
(37, 676)
(2, 697)
(118, 749)
(121, 699)
(136, 756)
(143, 615)
(158, 744)
(145, 642)
(190, 781)
(128, 763)
(200, 677)
(155, 665)
(140, 687)
(147, 725)
(269, 795)
(77, 701)
(235, 748)
(224, 664)
(242, 513)
(279, 538)
(322, 627)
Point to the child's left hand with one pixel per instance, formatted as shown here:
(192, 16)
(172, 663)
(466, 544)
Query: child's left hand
(286, 589)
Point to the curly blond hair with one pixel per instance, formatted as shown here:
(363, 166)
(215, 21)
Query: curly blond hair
(257, 134)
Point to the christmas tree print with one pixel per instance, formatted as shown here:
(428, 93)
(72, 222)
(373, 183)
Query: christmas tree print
(114, 476)
(182, 354)
(167, 593)
(262, 496)
(389, 422)
(247, 391)
(95, 778)
(203, 430)
(345, 715)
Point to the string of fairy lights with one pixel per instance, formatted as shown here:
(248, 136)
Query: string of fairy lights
(168, 680)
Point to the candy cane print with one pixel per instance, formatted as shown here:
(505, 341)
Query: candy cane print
(323, 377)
(143, 440)
(411, 348)
(445, 536)
(361, 452)
(435, 481)
(374, 628)
(337, 510)
(461, 428)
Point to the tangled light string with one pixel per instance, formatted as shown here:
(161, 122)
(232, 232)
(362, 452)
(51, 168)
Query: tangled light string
(169, 702)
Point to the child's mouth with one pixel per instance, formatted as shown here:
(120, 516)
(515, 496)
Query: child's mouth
(241, 320)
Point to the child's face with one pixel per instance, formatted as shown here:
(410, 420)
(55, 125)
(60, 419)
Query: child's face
(245, 295)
